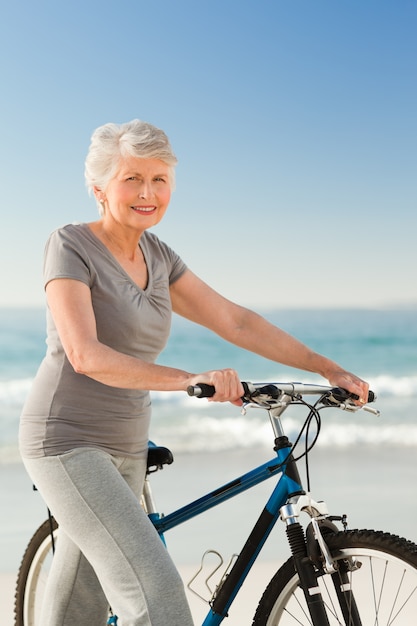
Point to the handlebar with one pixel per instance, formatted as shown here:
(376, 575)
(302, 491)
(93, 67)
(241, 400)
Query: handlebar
(272, 391)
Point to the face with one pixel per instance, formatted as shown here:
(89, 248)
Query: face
(138, 195)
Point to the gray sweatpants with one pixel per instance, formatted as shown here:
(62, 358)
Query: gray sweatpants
(108, 552)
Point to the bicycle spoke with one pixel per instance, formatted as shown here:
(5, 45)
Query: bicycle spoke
(305, 614)
(413, 591)
(377, 577)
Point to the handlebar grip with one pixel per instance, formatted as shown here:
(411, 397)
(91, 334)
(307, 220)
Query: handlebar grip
(201, 390)
(342, 394)
(371, 396)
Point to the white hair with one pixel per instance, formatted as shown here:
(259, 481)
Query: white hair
(113, 142)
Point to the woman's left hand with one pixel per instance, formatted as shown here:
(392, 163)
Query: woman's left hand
(346, 380)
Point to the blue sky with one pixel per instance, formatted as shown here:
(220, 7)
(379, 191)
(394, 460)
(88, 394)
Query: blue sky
(294, 123)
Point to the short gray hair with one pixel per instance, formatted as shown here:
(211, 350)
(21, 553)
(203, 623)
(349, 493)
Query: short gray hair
(113, 142)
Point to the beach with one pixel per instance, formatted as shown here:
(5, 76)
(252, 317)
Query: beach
(363, 465)
(375, 486)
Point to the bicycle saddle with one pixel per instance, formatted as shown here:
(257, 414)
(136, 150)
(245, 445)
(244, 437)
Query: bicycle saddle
(158, 456)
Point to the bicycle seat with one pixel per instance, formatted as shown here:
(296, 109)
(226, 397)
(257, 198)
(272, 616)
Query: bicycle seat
(158, 456)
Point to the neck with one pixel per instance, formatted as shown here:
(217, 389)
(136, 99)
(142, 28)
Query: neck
(121, 241)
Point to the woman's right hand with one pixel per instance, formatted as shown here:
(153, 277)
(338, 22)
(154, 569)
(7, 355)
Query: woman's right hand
(226, 383)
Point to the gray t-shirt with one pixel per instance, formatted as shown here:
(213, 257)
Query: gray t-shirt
(66, 410)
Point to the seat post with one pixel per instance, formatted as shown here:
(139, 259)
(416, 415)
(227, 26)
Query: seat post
(147, 500)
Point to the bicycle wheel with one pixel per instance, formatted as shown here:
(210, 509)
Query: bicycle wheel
(382, 574)
(32, 576)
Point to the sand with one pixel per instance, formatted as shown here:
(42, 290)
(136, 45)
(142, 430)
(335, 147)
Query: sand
(375, 486)
(240, 615)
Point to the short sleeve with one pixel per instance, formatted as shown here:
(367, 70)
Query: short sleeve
(178, 267)
(65, 257)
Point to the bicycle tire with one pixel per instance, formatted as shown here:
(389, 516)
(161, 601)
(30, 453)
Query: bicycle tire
(384, 585)
(32, 576)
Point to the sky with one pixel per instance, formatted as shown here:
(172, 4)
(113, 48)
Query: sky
(294, 122)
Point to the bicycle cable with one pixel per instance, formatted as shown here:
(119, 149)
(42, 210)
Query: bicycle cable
(314, 413)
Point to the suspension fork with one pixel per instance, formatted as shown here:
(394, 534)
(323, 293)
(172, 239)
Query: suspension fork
(345, 596)
(320, 556)
(295, 534)
(304, 566)
(312, 559)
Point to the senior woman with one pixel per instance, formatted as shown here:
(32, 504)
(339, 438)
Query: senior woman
(111, 287)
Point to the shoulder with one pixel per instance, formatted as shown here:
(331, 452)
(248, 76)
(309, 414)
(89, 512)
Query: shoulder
(75, 237)
(68, 232)
(151, 240)
(153, 244)
(161, 253)
(67, 254)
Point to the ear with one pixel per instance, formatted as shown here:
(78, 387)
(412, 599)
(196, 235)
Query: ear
(99, 195)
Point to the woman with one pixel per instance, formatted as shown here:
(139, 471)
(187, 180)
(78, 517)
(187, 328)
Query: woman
(111, 287)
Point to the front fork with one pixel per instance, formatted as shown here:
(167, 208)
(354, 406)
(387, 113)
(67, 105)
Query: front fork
(303, 565)
(312, 559)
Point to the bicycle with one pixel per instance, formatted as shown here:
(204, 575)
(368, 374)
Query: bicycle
(334, 576)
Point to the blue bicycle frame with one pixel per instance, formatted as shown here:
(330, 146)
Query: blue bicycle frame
(288, 485)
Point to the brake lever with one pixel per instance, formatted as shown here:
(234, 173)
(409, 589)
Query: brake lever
(258, 405)
(370, 409)
(346, 406)
(350, 407)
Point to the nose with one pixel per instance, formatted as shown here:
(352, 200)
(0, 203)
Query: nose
(145, 190)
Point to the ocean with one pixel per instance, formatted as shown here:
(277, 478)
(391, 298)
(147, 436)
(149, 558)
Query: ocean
(378, 345)
(362, 465)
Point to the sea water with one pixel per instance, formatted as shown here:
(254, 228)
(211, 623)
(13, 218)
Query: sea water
(378, 345)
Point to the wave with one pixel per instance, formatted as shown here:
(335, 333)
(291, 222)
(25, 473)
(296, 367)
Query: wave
(386, 385)
(212, 435)
(205, 434)
(383, 385)
(190, 425)
(14, 392)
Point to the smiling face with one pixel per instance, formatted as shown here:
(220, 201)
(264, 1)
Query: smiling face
(139, 193)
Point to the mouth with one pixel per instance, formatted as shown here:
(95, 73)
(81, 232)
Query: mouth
(144, 210)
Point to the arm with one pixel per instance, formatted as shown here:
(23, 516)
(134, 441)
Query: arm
(71, 308)
(195, 300)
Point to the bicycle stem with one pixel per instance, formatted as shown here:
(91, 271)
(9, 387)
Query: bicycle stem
(274, 412)
(275, 415)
